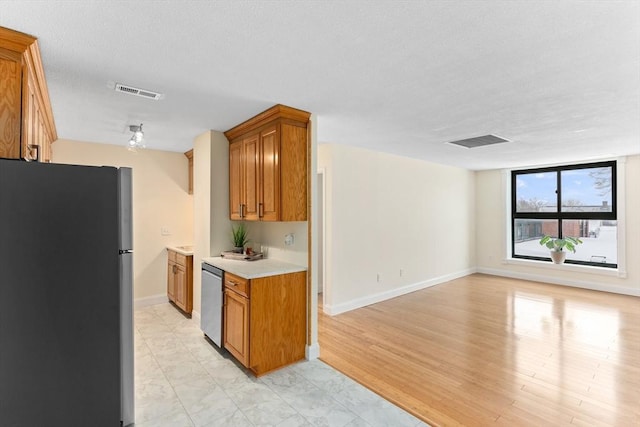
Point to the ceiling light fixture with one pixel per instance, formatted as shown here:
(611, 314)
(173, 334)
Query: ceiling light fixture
(137, 139)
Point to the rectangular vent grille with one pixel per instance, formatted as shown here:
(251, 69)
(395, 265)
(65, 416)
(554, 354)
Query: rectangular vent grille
(479, 141)
(137, 91)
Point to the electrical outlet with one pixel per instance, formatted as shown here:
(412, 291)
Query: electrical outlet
(379, 278)
(165, 231)
(289, 239)
(401, 272)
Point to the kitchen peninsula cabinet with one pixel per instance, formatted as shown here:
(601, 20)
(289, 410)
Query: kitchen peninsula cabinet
(180, 280)
(27, 128)
(265, 320)
(268, 157)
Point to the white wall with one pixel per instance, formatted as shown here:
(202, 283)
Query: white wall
(211, 203)
(271, 235)
(160, 199)
(491, 243)
(386, 213)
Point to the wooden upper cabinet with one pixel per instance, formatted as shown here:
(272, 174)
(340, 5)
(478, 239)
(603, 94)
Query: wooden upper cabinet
(189, 155)
(27, 128)
(268, 166)
(236, 180)
(10, 104)
(270, 174)
(244, 178)
(252, 178)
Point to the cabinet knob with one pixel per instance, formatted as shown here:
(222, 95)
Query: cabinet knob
(175, 269)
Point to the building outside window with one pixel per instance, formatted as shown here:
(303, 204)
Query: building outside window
(566, 201)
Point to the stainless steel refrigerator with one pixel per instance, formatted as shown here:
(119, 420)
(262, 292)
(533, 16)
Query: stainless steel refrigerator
(66, 309)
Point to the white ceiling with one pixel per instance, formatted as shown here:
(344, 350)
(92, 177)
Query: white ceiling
(561, 79)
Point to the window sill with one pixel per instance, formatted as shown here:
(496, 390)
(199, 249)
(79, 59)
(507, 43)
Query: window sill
(601, 271)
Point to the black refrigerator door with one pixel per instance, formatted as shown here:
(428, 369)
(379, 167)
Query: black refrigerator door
(59, 295)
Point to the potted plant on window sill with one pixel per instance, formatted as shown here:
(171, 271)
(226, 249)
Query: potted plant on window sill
(557, 246)
(240, 238)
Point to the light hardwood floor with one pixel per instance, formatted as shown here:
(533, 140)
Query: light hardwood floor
(485, 350)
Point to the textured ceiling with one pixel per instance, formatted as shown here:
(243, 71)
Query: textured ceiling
(560, 79)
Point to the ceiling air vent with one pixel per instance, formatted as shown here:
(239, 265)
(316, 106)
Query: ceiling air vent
(479, 141)
(137, 91)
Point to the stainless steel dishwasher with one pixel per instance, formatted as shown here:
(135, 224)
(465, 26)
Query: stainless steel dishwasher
(211, 310)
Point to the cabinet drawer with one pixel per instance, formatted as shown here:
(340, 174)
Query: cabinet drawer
(236, 284)
(181, 259)
(172, 255)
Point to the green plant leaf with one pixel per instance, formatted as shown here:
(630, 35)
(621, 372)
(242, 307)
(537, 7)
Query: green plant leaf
(239, 235)
(559, 244)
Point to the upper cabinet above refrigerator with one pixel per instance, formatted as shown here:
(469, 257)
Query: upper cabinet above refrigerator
(27, 128)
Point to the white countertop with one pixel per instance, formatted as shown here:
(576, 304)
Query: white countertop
(184, 250)
(254, 269)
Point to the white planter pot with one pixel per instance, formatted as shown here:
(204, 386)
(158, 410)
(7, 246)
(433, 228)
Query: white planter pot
(558, 257)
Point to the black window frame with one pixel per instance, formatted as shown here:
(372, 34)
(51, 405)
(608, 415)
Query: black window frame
(559, 215)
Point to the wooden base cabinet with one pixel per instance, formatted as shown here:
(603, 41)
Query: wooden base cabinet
(180, 280)
(236, 325)
(265, 320)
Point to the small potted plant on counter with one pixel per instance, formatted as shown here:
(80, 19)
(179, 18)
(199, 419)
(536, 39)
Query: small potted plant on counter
(240, 238)
(557, 246)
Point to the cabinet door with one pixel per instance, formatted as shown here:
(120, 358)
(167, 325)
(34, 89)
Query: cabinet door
(10, 106)
(269, 174)
(251, 177)
(236, 326)
(171, 280)
(180, 287)
(42, 139)
(36, 139)
(235, 180)
(31, 132)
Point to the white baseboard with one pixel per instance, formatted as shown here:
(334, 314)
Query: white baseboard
(195, 315)
(560, 281)
(152, 300)
(312, 351)
(332, 310)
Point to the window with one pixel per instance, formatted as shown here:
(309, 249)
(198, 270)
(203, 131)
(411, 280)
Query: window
(573, 200)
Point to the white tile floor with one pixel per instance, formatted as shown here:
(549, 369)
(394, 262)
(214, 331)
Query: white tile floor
(184, 381)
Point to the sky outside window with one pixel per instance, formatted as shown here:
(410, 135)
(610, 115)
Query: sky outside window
(586, 188)
(534, 191)
(582, 190)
